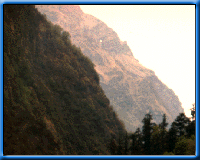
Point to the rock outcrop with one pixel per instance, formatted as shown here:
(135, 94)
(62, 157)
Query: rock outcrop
(132, 89)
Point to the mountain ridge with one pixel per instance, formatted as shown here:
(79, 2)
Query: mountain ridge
(132, 89)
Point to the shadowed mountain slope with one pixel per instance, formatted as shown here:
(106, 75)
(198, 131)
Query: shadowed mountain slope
(53, 103)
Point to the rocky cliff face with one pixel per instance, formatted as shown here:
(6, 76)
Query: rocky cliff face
(132, 89)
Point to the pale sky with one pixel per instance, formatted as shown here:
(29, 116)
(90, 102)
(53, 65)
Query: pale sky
(161, 37)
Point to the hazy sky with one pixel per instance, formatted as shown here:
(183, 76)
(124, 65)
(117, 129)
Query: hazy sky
(161, 37)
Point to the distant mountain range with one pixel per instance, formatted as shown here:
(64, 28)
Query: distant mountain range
(132, 89)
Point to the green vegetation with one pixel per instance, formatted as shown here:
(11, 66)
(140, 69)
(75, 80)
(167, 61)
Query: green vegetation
(53, 103)
(157, 140)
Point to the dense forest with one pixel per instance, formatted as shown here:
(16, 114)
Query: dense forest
(155, 139)
(54, 105)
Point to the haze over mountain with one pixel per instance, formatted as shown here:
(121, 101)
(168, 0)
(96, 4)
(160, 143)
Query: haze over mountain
(161, 37)
(132, 89)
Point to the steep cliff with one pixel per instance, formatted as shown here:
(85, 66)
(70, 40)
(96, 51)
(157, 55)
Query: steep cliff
(132, 89)
(53, 103)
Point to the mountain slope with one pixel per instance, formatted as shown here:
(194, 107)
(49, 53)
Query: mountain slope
(53, 103)
(132, 89)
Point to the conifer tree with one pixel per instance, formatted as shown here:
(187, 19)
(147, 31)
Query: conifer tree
(156, 141)
(172, 137)
(138, 134)
(190, 129)
(133, 145)
(181, 122)
(147, 128)
(163, 126)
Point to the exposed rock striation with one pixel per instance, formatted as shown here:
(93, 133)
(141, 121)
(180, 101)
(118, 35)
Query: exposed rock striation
(132, 89)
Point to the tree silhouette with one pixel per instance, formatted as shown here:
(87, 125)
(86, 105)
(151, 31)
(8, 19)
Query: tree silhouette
(163, 126)
(190, 129)
(147, 128)
(172, 137)
(181, 122)
(156, 141)
(133, 145)
(136, 147)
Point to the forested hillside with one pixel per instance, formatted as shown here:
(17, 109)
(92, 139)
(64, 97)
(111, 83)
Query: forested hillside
(53, 103)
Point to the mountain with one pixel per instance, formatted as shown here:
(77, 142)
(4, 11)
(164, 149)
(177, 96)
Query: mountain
(132, 89)
(53, 102)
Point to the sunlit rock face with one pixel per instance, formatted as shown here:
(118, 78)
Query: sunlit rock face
(132, 89)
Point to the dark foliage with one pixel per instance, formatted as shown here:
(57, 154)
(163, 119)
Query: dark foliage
(136, 146)
(190, 129)
(163, 126)
(156, 140)
(181, 123)
(53, 103)
(147, 130)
